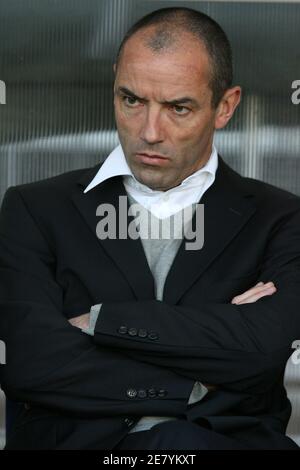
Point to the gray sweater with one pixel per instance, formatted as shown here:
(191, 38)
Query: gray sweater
(160, 253)
(161, 239)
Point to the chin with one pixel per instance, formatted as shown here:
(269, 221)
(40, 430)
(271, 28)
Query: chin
(147, 179)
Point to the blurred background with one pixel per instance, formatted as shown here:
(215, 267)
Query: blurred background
(56, 60)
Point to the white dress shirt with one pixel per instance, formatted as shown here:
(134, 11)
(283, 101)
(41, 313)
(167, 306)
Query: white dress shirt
(161, 203)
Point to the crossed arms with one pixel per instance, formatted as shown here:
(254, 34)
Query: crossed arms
(253, 294)
(240, 346)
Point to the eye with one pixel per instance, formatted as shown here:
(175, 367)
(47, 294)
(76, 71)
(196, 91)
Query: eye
(181, 110)
(130, 100)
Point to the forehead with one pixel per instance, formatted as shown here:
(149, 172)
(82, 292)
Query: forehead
(180, 68)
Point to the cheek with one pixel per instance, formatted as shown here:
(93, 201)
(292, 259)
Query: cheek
(125, 124)
(194, 134)
(186, 137)
(188, 130)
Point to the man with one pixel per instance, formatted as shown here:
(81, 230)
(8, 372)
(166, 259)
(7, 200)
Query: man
(139, 343)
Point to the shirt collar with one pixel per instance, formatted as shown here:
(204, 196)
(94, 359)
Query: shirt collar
(116, 165)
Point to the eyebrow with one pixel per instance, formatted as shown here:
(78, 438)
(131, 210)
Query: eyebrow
(178, 101)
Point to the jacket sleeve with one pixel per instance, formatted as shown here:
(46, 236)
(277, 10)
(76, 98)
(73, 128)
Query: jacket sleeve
(51, 363)
(241, 347)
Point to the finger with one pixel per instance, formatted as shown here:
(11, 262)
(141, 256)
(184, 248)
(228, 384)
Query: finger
(257, 296)
(253, 290)
(254, 298)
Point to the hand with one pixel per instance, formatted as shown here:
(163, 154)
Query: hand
(82, 321)
(260, 290)
(249, 296)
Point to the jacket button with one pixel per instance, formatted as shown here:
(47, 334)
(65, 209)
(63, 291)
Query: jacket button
(151, 393)
(131, 393)
(142, 333)
(162, 393)
(122, 330)
(142, 393)
(153, 335)
(132, 331)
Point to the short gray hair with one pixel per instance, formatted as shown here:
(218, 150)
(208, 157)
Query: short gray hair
(204, 28)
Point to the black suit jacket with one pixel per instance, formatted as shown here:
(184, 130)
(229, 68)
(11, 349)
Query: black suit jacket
(87, 392)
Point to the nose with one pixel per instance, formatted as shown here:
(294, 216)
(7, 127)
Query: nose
(151, 132)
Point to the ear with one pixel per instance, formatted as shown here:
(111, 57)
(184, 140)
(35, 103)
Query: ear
(227, 106)
(115, 68)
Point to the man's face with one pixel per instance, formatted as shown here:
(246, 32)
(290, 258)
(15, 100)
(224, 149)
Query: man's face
(146, 84)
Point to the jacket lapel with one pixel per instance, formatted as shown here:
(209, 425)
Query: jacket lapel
(227, 208)
(127, 254)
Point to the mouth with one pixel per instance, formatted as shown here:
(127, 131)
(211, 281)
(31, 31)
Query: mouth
(152, 159)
